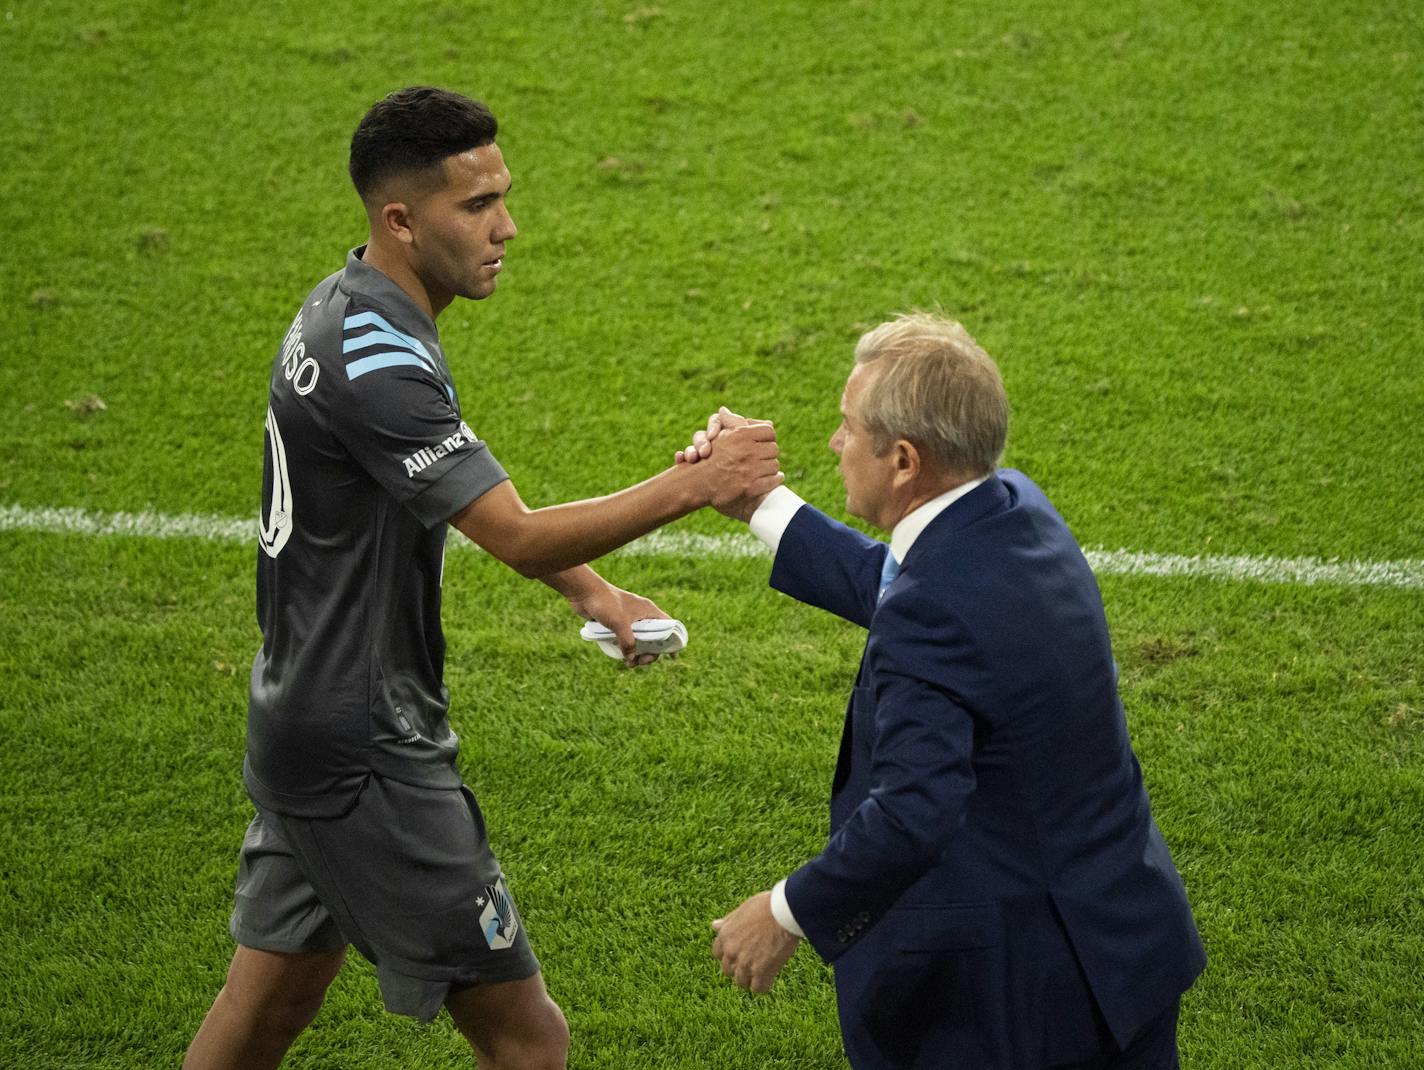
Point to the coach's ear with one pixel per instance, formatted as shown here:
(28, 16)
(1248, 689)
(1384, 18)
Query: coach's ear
(395, 221)
(909, 463)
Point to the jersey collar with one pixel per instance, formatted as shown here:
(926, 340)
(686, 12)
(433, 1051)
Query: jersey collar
(361, 278)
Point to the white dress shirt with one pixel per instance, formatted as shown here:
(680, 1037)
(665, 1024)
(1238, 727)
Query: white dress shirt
(769, 523)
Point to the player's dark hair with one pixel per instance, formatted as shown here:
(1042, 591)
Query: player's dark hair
(414, 130)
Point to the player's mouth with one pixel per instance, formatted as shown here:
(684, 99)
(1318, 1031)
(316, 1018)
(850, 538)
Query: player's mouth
(495, 264)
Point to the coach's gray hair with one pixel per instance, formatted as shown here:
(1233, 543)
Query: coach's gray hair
(937, 388)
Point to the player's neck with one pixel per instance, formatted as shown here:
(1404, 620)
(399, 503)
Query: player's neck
(396, 268)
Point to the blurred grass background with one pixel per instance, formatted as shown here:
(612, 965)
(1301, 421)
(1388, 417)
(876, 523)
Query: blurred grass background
(1189, 233)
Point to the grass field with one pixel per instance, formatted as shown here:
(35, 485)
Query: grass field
(1189, 233)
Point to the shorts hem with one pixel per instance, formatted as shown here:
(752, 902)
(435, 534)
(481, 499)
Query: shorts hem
(421, 998)
(246, 938)
(517, 969)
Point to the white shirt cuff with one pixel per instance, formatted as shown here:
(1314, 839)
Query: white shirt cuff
(781, 909)
(774, 513)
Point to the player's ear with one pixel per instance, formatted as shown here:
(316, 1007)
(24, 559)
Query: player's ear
(394, 220)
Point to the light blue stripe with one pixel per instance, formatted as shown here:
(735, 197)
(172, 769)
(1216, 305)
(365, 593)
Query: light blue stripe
(377, 338)
(358, 368)
(385, 341)
(372, 319)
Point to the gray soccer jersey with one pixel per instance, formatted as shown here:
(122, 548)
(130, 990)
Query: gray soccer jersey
(367, 457)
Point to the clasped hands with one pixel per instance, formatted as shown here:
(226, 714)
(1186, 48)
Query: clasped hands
(744, 470)
(731, 428)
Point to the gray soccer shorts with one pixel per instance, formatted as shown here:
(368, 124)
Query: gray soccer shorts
(406, 876)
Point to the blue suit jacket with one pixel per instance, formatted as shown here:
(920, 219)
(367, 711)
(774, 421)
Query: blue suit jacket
(995, 891)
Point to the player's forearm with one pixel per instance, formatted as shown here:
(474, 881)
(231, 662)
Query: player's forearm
(540, 543)
(559, 537)
(574, 583)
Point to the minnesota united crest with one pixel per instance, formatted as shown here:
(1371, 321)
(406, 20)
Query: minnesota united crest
(498, 921)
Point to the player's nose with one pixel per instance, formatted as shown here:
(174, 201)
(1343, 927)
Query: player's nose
(507, 230)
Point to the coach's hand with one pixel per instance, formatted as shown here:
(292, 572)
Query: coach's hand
(751, 945)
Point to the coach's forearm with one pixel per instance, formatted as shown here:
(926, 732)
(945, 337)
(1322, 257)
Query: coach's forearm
(538, 542)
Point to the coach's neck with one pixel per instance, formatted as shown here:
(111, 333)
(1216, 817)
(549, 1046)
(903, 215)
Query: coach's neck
(914, 480)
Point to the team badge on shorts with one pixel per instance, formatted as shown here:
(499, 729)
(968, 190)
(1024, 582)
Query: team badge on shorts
(498, 921)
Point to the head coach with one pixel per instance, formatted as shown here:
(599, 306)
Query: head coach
(995, 892)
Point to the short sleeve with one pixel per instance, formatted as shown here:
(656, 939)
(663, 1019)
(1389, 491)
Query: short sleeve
(403, 426)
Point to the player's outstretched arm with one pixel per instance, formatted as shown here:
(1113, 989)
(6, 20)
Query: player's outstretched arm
(539, 542)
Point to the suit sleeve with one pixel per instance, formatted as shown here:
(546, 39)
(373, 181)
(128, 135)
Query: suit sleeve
(826, 564)
(922, 775)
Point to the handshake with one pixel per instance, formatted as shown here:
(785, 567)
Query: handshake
(739, 462)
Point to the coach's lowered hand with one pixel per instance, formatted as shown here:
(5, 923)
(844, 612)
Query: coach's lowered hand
(751, 945)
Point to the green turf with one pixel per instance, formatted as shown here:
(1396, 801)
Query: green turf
(1189, 233)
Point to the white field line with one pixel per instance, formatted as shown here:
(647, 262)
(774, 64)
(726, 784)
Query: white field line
(1239, 568)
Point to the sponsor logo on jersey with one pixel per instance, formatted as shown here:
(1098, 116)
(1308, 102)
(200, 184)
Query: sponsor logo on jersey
(424, 457)
(498, 922)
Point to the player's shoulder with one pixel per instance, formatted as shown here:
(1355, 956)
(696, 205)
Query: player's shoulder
(359, 337)
(380, 347)
(381, 327)
(317, 322)
(371, 329)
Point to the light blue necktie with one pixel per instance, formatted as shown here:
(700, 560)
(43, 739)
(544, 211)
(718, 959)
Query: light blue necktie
(888, 571)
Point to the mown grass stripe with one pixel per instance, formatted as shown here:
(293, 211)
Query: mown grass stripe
(145, 525)
(1303, 571)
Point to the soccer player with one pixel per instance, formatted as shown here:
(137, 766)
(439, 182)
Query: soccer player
(365, 833)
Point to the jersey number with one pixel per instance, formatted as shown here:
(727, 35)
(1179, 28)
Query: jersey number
(275, 519)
